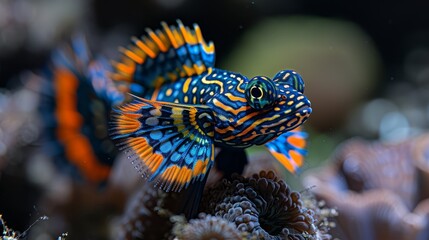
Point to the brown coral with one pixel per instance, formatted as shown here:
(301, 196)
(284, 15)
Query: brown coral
(148, 214)
(323, 215)
(142, 218)
(208, 227)
(377, 189)
(261, 205)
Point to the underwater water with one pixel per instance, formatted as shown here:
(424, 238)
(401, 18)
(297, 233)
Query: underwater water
(309, 123)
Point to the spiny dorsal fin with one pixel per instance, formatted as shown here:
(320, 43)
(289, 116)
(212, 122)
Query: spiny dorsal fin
(164, 56)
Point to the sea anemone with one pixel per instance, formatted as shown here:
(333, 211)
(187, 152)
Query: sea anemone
(261, 205)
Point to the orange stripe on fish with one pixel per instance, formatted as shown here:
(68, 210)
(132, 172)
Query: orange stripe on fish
(77, 147)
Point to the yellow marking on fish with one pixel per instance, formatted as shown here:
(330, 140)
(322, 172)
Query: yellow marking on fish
(299, 104)
(186, 85)
(286, 76)
(234, 98)
(221, 105)
(255, 123)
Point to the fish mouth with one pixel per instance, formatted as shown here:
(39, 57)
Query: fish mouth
(301, 111)
(304, 110)
(289, 121)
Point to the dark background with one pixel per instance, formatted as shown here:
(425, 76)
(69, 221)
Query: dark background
(395, 26)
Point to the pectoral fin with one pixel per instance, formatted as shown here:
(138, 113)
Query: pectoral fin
(169, 143)
(289, 149)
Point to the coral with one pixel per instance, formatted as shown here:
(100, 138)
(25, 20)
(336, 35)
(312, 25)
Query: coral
(148, 214)
(323, 215)
(261, 205)
(143, 218)
(378, 189)
(19, 124)
(208, 227)
(375, 165)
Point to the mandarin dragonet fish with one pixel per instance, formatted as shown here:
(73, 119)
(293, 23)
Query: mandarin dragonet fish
(182, 107)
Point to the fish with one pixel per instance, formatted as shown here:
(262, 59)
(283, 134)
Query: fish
(180, 107)
(76, 98)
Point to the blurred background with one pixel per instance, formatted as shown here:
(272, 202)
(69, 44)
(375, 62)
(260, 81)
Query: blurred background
(365, 65)
(360, 60)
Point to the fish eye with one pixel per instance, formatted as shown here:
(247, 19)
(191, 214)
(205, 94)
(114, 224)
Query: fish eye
(291, 78)
(256, 92)
(260, 92)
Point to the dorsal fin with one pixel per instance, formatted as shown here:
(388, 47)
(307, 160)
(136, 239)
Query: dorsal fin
(164, 55)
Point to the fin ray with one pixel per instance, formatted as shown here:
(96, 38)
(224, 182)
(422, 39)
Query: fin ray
(164, 55)
(289, 149)
(169, 143)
